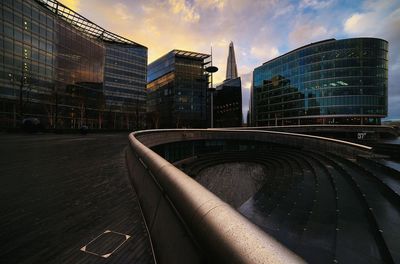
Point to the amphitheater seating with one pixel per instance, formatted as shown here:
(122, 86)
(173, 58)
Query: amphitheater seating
(324, 207)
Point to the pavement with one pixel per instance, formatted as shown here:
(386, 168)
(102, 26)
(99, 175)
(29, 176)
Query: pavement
(68, 199)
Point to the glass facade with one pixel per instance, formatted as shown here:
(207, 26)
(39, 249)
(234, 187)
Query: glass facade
(228, 104)
(124, 82)
(328, 82)
(58, 72)
(177, 91)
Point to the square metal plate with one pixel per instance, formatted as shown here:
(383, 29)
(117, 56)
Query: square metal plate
(105, 244)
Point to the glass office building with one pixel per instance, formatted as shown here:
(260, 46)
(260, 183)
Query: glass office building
(228, 104)
(65, 71)
(177, 90)
(125, 82)
(328, 82)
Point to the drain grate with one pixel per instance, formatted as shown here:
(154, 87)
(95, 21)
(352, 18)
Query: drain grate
(105, 244)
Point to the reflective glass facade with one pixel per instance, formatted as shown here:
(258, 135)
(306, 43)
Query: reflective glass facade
(53, 70)
(124, 82)
(328, 82)
(177, 91)
(228, 104)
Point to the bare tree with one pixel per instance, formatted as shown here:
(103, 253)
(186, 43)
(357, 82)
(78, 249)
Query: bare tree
(24, 83)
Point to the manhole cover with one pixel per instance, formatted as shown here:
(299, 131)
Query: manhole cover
(105, 244)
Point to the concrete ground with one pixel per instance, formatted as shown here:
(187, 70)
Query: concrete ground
(59, 192)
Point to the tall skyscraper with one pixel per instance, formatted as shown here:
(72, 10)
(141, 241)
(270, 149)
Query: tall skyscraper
(231, 68)
(228, 96)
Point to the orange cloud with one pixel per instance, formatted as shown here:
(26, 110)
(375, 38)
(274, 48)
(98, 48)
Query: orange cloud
(73, 4)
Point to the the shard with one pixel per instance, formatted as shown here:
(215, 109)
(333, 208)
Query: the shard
(231, 68)
(228, 96)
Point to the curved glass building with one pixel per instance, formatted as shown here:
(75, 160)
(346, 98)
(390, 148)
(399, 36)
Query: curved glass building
(327, 82)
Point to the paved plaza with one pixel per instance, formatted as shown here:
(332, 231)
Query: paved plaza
(63, 192)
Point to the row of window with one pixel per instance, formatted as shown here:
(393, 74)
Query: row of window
(123, 88)
(323, 74)
(287, 87)
(127, 83)
(333, 64)
(21, 38)
(125, 73)
(319, 93)
(125, 100)
(17, 66)
(322, 101)
(342, 110)
(26, 25)
(28, 10)
(329, 46)
(345, 57)
(132, 64)
(138, 54)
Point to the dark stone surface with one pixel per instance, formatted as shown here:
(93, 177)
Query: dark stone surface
(324, 207)
(58, 192)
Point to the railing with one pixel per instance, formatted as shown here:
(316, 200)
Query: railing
(189, 224)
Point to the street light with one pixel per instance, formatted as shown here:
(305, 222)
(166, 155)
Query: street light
(211, 69)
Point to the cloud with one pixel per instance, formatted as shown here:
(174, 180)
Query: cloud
(73, 4)
(264, 52)
(283, 11)
(122, 11)
(315, 4)
(307, 32)
(187, 12)
(354, 24)
(246, 84)
(211, 4)
(381, 19)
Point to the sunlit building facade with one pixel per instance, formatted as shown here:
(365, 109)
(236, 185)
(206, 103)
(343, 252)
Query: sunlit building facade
(177, 90)
(328, 82)
(62, 69)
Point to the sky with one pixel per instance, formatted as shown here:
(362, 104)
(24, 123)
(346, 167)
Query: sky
(260, 29)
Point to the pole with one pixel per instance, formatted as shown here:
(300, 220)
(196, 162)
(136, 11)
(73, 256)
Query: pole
(212, 95)
(211, 69)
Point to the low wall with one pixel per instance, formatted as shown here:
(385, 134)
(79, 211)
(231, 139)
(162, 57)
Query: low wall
(152, 138)
(189, 224)
(366, 131)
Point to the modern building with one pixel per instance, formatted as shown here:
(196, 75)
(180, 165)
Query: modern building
(62, 69)
(231, 67)
(228, 96)
(228, 104)
(327, 82)
(177, 90)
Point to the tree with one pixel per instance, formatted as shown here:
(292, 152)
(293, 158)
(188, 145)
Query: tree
(24, 84)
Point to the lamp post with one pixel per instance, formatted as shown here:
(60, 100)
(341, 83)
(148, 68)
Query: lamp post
(211, 69)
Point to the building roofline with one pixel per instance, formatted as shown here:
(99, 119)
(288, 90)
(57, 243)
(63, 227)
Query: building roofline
(302, 47)
(314, 44)
(182, 53)
(190, 54)
(83, 24)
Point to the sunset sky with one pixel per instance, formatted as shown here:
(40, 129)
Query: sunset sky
(259, 29)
